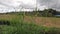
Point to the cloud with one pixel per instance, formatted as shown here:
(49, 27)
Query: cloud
(9, 3)
(55, 4)
(17, 4)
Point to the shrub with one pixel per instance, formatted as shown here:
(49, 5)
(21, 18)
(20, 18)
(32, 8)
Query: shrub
(4, 22)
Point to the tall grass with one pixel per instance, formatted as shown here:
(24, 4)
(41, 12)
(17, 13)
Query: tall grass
(18, 26)
(25, 28)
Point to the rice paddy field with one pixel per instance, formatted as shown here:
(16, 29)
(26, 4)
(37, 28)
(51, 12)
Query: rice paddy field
(22, 24)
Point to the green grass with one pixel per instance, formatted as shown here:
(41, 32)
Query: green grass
(25, 28)
(18, 26)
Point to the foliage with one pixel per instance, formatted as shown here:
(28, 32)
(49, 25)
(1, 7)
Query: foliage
(25, 28)
(18, 26)
(44, 13)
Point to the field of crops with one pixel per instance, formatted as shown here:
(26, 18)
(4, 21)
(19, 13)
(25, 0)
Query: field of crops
(21, 24)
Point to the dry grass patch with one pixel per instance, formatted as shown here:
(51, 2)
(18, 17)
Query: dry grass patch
(45, 21)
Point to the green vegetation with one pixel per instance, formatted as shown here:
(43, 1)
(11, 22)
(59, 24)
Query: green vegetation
(44, 13)
(27, 28)
(14, 23)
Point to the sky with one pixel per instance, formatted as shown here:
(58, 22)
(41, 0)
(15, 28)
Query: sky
(54, 4)
(26, 5)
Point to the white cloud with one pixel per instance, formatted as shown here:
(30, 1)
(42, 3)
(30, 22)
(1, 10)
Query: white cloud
(41, 7)
(11, 4)
(55, 4)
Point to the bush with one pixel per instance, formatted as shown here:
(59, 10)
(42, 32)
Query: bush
(3, 22)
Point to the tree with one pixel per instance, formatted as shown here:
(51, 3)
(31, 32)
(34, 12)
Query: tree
(49, 12)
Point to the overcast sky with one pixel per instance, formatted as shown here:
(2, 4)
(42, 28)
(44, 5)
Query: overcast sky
(10, 5)
(55, 4)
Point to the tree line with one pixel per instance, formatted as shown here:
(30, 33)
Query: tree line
(44, 13)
